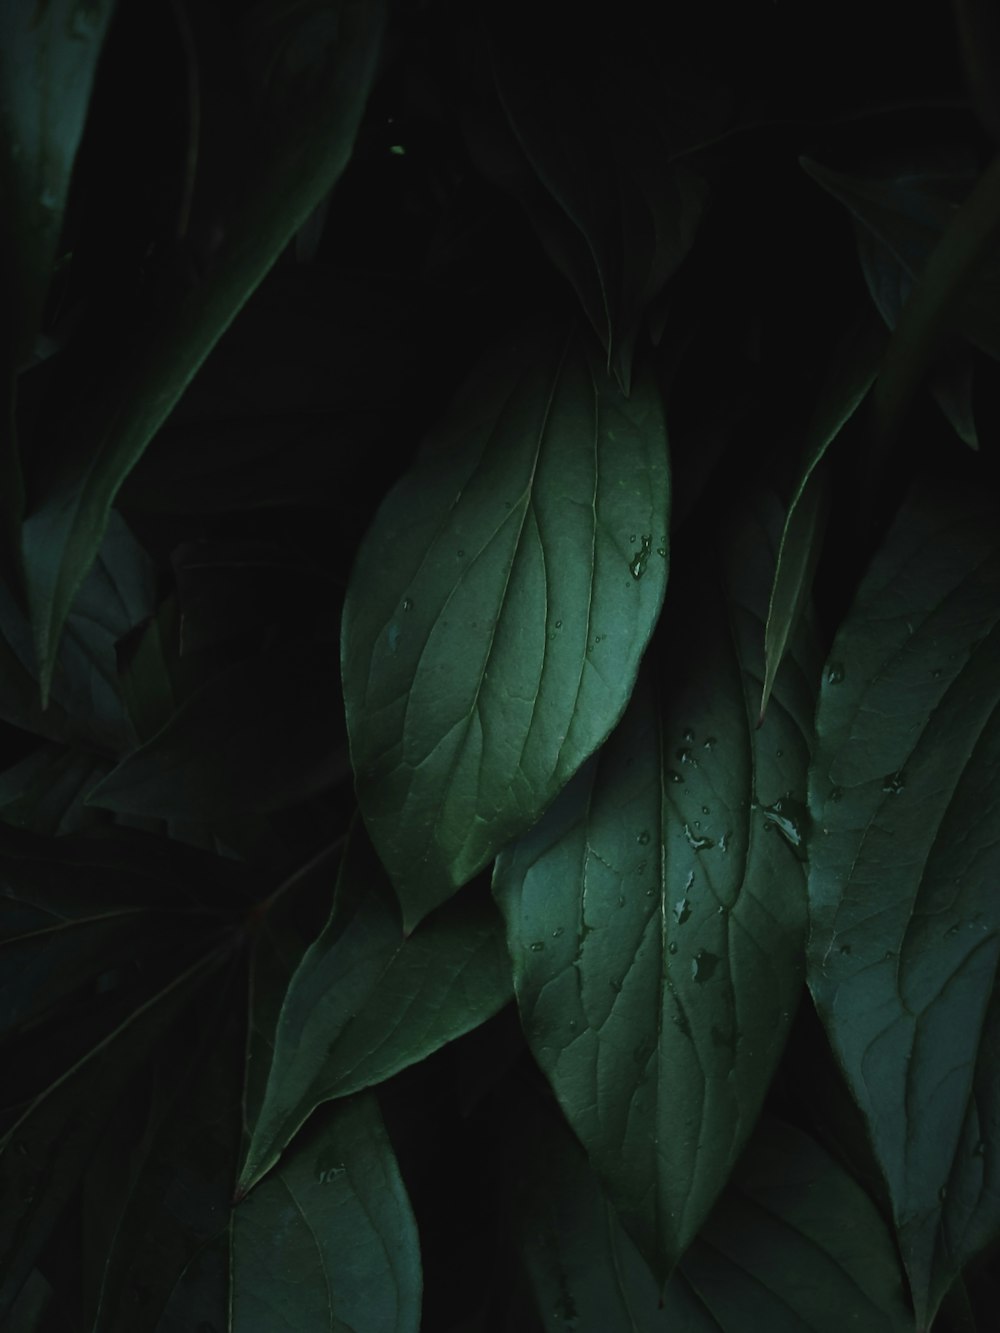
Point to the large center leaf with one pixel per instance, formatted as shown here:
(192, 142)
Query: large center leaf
(499, 608)
(903, 873)
(656, 915)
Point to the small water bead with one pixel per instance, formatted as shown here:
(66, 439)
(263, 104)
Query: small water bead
(835, 673)
(674, 777)
(894, 783)
(672, 947)
(407, 604)
(558, 624)
(638, 565)
(537, 946)
(688, 735)
(557, 932)
(710, 743)
(643, 838)
(682, 910)
(705, 810)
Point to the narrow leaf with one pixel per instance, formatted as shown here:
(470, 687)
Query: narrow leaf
(366, 1001)
(309, 138)
(843, 393)
(328, 1241)
(498, 610)
(905, 938)
(656, 914)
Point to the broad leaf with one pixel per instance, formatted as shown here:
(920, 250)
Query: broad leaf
(844, 391)
(905, 937)
(45, 792)
(656, 914)
(498, 610)
(793, 1246)
(317, 62)
(366, 1000)
(328, 1241)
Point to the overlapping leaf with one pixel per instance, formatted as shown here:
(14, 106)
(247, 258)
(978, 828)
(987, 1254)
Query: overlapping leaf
(328, 1241)
(656, 914)
(366, 1001)
(316, 62)
(498, 610)
(905, 937)
(845, 389)
(793, 1246)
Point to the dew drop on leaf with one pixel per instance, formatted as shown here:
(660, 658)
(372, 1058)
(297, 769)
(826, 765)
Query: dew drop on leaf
(835, 673)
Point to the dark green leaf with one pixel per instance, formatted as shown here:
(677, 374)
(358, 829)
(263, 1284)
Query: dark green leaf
(207, 764)
(793, 1246)
(596, 123)
(844, 391)
(44, 1153)
(175, 1195)
(48, 58)
(498, 610)
(327, 1243)
(903, 865)
(317, 64)
(656, 914)
(46, 791)
(366, 1000)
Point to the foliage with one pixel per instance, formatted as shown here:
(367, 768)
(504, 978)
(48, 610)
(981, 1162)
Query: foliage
(499, 668)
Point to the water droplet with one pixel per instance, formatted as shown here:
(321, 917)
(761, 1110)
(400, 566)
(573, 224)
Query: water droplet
(980, 1149)
(937, 673)
(845, 949)
(672, 947)
(789, 817)
(835, 673)
(888, 956)
(705, 810)
(460, 553)
(651, 893)
(642, 838)
(894, 783)
(573, 1025)
(632, 539)
(686, 757)
(682, 910)
(558, 624)
(557, 932)
(638, 566)
(952, 930)
(697, 841)
(688, 735)
(710, 743)
(703, 964)
(674, 777)
(724, 840)
(943, 1193)
(537, 946)
(407, 604)
(720, 910)
(662, 552)
(778, 754)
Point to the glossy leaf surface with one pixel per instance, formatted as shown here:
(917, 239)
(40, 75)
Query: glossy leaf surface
(905, 936)
(498, 610)
(656, 914)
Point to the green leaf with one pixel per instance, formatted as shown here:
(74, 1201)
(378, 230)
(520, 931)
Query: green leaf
(206, 764)
(498, 610)
(845, 389)
(904, 947)
(328, 1243)
(44, 1152)
(176, 1155)
(793, 1246)
(45, 792)
(318, 61)
(597, 124)
(367, 1000)
(656, 914)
